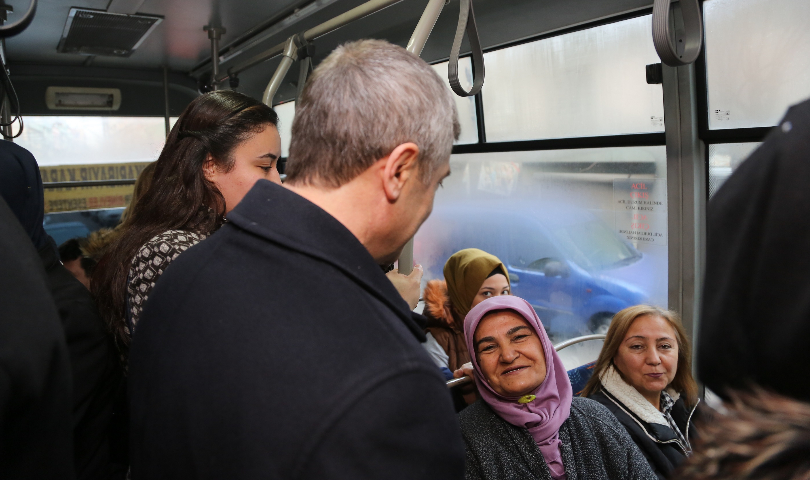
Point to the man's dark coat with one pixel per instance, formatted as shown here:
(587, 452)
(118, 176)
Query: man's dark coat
(278, 349)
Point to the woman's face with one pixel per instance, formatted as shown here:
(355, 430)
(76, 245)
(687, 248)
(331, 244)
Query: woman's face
(493, 286)
(509, 354)
(253, 159)
(648, 356)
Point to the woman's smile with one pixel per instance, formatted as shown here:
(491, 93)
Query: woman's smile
(514, 370)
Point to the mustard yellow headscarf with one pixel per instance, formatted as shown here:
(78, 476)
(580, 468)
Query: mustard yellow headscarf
(464, 273)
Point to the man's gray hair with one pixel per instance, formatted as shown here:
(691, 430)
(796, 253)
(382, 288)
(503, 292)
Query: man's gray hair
(365, 99)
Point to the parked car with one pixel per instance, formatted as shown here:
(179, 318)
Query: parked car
(574, 270)
(63, 226)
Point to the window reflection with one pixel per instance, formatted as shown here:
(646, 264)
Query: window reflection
(554, 219)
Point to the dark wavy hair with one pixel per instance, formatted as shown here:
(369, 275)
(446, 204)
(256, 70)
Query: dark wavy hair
(179, 196)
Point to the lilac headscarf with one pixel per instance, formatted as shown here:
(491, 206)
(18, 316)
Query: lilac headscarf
(544, 415)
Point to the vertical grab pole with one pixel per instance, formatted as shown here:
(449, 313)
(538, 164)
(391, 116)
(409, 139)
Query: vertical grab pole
(415, 46)
(288, 57)
(166, 118)
(5, 109)
(214, 34)
(5, 106)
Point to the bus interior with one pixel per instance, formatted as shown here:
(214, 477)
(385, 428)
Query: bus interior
(596, 157)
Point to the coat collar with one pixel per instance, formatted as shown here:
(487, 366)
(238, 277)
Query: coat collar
(286, 218)
(631, 398)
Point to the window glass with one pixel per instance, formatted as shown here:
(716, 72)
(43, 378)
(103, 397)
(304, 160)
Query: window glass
(582, 232)
(586, 83)
(66, 225)
(87, 149)
(286, 113)
(757, 60)
(724, 158)
(63, 140)
(464, 105)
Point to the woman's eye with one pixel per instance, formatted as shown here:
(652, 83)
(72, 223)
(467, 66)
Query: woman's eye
(635, 347)
(505, 291)
(520, 337)
(266, 169)
(666, 346)
(486, 294)
(487, 348)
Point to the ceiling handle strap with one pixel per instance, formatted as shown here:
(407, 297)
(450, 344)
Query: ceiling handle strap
(466, 22)
(21, 24)
(687, 49)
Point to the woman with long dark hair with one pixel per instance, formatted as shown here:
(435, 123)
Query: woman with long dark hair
(220, 146)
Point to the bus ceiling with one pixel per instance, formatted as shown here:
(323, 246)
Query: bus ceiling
(179, 43)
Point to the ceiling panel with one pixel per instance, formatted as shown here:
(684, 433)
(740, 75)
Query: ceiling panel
(180, 42)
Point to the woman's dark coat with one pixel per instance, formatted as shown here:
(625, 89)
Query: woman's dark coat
(594, 447)
(658, 443)
(36, 426)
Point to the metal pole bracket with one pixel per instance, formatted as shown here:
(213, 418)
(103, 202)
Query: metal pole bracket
(687, 48)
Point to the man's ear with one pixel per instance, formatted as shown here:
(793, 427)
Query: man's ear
(210, 169)
(400, 167)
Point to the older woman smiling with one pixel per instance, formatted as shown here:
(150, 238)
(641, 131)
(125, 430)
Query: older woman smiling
(527, 424)
(643, 375)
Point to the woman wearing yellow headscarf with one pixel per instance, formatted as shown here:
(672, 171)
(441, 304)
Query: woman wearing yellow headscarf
(470, 277)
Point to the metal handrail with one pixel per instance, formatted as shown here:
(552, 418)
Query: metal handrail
(89, 183)
(457, 382)
(290, 55)
(356, 13)
(689, 45)
(574, 341)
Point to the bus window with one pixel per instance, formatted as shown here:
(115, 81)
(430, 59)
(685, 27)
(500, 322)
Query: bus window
(755, 68)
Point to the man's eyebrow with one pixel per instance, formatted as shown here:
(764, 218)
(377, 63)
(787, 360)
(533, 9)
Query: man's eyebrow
(516, 329)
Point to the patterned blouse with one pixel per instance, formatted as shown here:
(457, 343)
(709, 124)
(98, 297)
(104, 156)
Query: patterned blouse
(149, 264)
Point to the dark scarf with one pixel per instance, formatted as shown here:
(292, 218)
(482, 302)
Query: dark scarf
(21, 188)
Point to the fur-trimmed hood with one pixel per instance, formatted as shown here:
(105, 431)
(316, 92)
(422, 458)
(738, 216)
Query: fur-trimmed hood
(438, 308)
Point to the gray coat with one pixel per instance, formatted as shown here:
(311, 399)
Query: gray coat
(594, 446)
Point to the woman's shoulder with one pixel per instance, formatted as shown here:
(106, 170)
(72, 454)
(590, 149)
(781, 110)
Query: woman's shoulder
(475, 413)
(594, 413)
(590, 407)
(169, 242)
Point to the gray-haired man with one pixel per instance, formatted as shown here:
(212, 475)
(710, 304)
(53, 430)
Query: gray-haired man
(277, 348)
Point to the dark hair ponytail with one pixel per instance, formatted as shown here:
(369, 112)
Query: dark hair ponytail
(180, 196)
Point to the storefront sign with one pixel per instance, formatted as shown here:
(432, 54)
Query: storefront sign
(89, 198)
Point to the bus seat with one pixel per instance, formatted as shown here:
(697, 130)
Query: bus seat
(579, 377)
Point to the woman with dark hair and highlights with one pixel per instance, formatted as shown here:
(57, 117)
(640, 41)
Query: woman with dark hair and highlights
(220, 146)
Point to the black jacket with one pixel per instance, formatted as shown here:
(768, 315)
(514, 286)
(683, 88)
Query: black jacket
(657, 442)
(35, 389)
(276, 349)
(593, 447)
(756, 297)
(97, 372)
